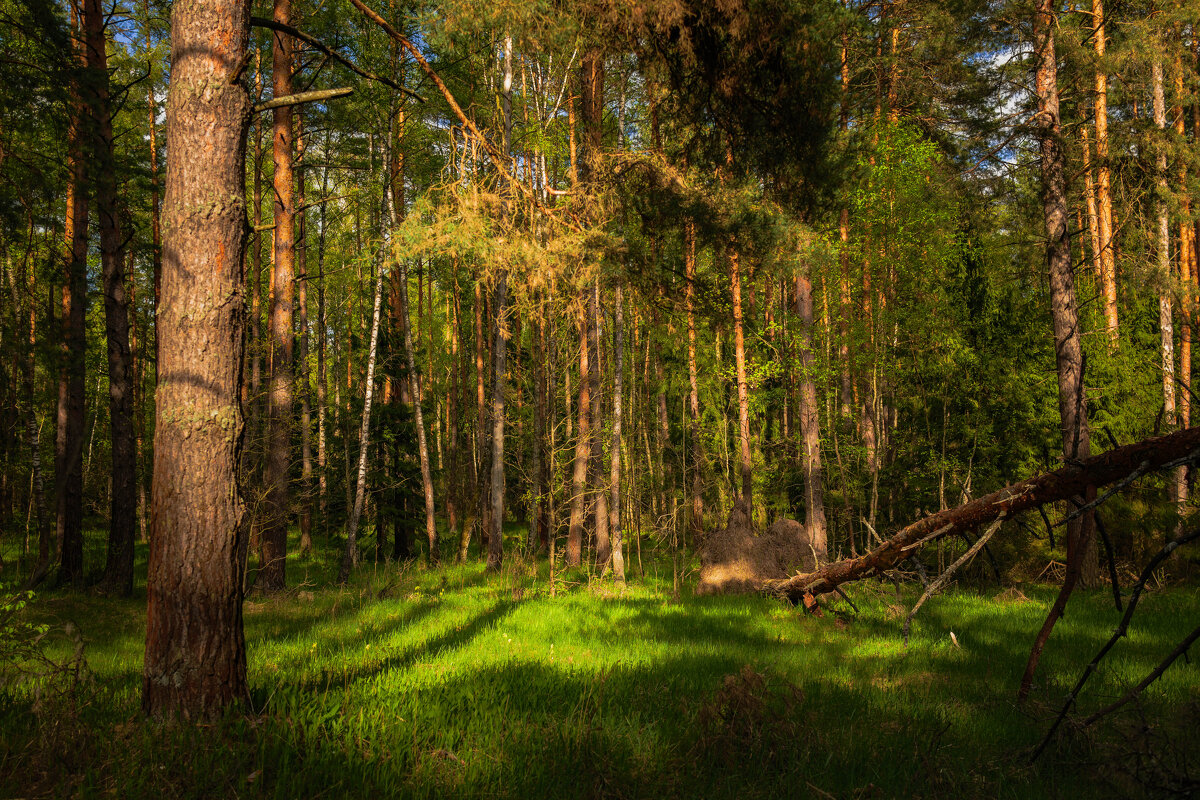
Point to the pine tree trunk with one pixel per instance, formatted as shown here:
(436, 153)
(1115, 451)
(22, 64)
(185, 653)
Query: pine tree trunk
(273, 576)
(1163, 260)
(303, 385)
(1064, 312)
(195, 664)
(618, 554)
(739, 359)
(1108, 271)
(696, 521)
(495, 543)
(1187, 258)
(810, 423)
(68, 445)
(118, 568)
(583, 451)
(597, 468)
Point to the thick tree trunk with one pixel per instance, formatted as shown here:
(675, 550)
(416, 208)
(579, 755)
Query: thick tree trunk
(810, 424)
(195, 663)
(68, 444)
(273, 576)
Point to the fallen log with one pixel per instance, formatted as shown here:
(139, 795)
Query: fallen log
(1072, 480)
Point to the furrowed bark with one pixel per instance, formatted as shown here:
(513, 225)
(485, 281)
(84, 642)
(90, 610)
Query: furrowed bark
(195, 661)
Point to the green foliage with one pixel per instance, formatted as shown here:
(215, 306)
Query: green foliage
(421, 683)
(20, 639)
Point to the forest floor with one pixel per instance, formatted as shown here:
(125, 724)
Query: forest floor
(415, 682)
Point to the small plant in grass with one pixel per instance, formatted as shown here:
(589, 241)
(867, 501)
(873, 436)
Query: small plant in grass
(20, 640)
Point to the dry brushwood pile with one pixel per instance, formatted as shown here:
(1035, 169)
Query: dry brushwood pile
(736, 558)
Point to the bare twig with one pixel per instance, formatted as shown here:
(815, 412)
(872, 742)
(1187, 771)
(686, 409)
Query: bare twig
(261, 22)
(944, 578)
(1118, 634)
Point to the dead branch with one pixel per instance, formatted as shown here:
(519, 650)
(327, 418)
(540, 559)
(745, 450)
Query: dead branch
(1118, 634)
(944, 578)
(1069, 481)
(262, 22)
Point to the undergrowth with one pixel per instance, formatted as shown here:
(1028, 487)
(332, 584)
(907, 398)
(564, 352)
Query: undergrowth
(448, 682)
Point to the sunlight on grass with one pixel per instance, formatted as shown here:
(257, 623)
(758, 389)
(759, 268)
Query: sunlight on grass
(444, 682)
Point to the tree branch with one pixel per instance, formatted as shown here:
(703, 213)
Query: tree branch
(303, 97)
(262, 22)
(1071, 480)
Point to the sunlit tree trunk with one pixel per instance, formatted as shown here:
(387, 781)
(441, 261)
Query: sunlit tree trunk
(739, 359)
(1108, 270)
(272, 576)
(195, 660)
(617, 537)
(304, 385)
(1163, 261)
(810, 424)
(696, 521)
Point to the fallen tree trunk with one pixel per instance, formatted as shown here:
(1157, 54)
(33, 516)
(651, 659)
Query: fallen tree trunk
(1070, 481)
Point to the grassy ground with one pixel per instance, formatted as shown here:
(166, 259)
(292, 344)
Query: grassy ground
(436, 683)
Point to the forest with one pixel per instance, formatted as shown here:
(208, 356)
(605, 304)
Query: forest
(815, 374)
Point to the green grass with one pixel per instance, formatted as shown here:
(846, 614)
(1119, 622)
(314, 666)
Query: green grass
(456, 684)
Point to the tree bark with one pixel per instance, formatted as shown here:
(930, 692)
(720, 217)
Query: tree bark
(303, 384)
(350, 555)
(1163, 261)
(583, 451)
(68, 444)
(118, 569)
(696, 521)
(273, 570)
(618, 553)
(1051, 487)
(195, 662)
(739, 358)
(1108, 270)
(810, 424)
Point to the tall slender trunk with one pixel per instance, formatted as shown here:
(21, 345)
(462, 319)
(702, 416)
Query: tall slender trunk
(1163, 260)
(272, 576)
(1108, 270)
(195, 661)
(495, 553)
(350, 554)
(495, 543)
(596, 470)
(1092, 213)
(1068, 352)
(739, 358)
(303, 384)
(583, 451)
(810, 423)
(1187, 260)
(618, 553)
(696, 521)
(322, 384)
(68, 445)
